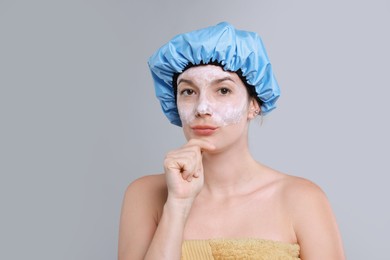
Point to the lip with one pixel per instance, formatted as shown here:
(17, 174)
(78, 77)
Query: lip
(204, 130)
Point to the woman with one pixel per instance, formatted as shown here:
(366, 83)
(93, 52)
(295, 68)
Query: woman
(214, 201)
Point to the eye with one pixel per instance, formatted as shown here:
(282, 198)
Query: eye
(187, 92)
(224, 91)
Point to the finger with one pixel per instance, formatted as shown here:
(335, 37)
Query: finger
(189, 152)
(191, 155)
(197, 173)
(179, 165)
(187, 174)
(183, 166)
(204, 145)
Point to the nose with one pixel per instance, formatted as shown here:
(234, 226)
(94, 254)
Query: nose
(203, 107)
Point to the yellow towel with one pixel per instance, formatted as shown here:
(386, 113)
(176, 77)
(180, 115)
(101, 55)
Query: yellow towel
(230, 249)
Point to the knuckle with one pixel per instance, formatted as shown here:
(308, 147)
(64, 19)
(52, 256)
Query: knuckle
(167, 160)
(193, 154)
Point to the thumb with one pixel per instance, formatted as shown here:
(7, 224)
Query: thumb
(204, 145)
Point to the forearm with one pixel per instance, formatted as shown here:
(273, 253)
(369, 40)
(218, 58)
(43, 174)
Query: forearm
(167, 240)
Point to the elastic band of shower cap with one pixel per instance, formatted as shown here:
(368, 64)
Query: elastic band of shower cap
(234, 49)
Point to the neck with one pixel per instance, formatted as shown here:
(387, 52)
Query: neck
(229, 171)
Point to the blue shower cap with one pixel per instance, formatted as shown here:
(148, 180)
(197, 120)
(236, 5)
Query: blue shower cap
(233, 49)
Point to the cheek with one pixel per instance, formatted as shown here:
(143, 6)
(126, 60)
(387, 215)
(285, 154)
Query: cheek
(186, 113)
(231, 113)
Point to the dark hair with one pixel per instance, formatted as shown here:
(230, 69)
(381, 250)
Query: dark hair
(250, 88)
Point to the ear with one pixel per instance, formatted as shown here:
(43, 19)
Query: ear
(253, 109)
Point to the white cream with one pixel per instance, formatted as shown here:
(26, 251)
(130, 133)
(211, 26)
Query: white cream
(207, 100)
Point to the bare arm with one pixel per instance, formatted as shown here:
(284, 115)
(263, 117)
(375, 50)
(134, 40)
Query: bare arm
(167, 240)
(314, 224)
(142, 234)
(141, 208)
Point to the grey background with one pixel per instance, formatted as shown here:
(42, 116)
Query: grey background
(79, 120)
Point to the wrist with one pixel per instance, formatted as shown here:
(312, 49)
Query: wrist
(180, 207)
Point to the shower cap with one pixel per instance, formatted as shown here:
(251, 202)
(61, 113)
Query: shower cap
(223, 44)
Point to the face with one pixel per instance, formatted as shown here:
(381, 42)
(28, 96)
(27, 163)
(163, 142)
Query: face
(209, 98)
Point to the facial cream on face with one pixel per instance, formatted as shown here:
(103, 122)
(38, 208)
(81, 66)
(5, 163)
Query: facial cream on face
(203, 93)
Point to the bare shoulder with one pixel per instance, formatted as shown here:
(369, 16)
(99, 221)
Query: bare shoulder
(142, 207)
(296, 189)
(149, 190)
(311, 217)
(301, 197)
(292, 188)
(148, 185)
(149, 180)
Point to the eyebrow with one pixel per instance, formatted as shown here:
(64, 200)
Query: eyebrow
(185, 81)
(223, 79)
(216, 81)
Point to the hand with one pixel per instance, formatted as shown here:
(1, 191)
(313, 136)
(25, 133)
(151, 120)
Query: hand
(184, 170)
